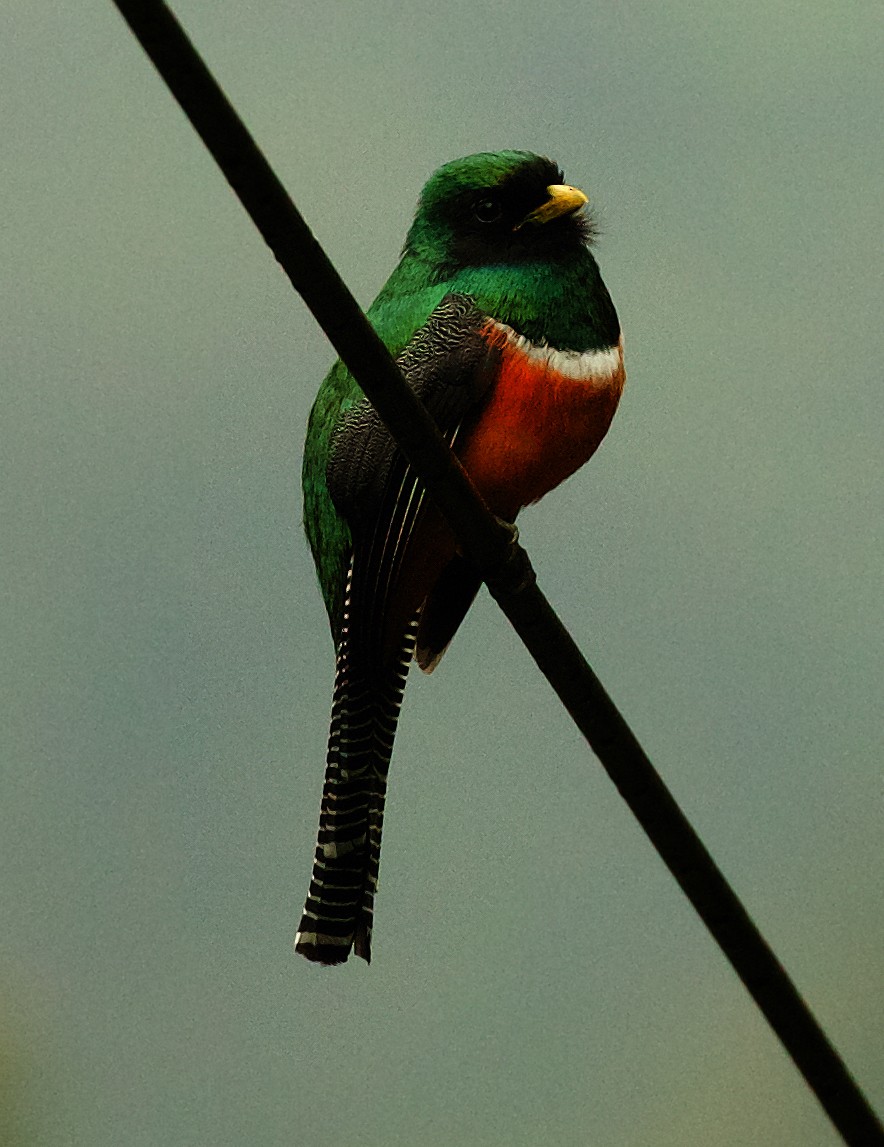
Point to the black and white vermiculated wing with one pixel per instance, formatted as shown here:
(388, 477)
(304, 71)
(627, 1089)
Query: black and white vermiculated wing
(449, 365)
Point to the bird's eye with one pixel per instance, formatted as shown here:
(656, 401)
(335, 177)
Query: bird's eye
(487, 210)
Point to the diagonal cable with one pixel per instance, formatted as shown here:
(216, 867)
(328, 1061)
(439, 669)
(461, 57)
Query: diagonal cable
(504, 566)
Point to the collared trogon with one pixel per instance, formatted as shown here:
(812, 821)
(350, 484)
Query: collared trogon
(500, 321)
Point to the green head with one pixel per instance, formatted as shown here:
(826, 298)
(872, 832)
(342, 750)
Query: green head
(493, 208)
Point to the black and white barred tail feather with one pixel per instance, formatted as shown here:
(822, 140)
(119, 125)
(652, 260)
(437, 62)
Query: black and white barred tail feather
(339, 910)
(376, 492)
(369, 685)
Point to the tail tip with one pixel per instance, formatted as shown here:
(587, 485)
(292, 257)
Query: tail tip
(323, 949)
(320, 948)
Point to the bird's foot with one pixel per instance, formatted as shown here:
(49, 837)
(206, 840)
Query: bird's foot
(513, 571)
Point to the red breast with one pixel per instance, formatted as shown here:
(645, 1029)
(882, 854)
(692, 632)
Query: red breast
(546, 416)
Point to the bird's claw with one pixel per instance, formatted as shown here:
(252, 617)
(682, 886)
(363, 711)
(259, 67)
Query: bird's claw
(511, 529)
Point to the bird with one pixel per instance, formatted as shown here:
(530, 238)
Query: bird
(499, 320)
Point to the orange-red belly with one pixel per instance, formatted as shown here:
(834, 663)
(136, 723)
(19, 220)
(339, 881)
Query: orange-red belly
(546, 415)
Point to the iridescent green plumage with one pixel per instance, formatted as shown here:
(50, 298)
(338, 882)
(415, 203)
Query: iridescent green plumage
(489, 312)
(563, 303)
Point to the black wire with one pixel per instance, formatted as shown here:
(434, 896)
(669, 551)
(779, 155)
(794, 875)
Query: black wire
(504, 566)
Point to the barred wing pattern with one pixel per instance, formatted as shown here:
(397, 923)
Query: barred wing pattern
(449, 365)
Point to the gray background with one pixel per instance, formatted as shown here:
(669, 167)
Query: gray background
(538, 977)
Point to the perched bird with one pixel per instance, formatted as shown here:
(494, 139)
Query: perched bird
(500, 321)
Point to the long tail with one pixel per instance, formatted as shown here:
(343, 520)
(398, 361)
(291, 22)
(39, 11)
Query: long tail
(339, 909)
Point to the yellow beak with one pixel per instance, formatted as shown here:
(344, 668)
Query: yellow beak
(563, 200)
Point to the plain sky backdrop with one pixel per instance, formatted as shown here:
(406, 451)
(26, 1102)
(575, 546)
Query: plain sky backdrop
(538, 977)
